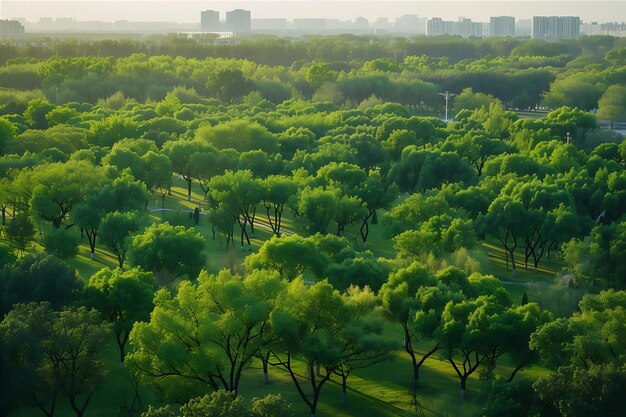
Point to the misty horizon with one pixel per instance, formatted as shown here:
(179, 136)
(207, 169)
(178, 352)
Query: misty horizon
(189, 11)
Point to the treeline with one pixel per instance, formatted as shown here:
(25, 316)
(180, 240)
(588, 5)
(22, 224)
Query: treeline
(268, 50)
(522, 74)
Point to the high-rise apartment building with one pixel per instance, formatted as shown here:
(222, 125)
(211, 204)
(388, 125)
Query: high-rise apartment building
(502, 26)
(11, 29)
(410, 23)
(555, 27)
(238, 21)
(464, 27)
(210, 21)
(604, 29)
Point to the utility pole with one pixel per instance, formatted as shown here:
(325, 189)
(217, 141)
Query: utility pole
(447, 95)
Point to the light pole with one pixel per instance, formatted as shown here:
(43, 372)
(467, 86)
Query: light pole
(447, 95)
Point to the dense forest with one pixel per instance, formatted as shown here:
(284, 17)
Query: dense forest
(290, 226)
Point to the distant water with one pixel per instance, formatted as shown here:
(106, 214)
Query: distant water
(189, 11)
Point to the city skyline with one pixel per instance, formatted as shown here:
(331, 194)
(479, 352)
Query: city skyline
(189, 11)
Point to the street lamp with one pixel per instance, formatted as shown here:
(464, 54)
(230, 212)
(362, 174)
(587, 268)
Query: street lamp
(447, 95)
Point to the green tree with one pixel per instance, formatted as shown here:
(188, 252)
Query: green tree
(290, 256)
(579, 90)
(158, 174)
(361, 341)
(595, 335)
(465, 333)
(62, 243)
(21, 331)
(238, 194)
(168, 251)
(72, 341)
(306, 324)
(220, 403)
(36, 113)
(20, 232)
(206, 335)
(400, 305)
(470, 100)
(612, 104)
(180, 153)
(277, 191)
(115, 231)
(510, 399)
(7, 133)
(582, 391)
(228, 84)
(122, 194)
(478, 149)
(376, 195)
(58, 188)
(318, 207)
(39, 277)
(123, 298)
(108, 131)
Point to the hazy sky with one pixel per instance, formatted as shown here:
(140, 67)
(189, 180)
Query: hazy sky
(189, 11)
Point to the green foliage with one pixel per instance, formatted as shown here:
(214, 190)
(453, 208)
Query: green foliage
(318, 207)
(219, 404)
(470, 100)
(62, 243)
(168, 251)
(165, 411)
(7, 132)
(6, 255)
(20, 233)
(290, 256)
(575, 391)
(228, 84)
(69, 344)
(107, 132)
(208, 333)
(612, 104)
(272, 405)
(36, 113)
(239, 135)
(59, 187)
(39, 277)
(574, 91)
(123, 298)
(515, 398)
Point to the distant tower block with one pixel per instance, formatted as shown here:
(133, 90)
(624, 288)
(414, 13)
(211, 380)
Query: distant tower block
(502, 26)
(555, 27)
(238, 21)
(210, 21)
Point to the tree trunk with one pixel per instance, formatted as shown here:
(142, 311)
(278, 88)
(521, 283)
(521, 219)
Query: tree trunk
(514, 372)
(264, 360)
(463, 383)
(79, 411)
(269, 218)
(122, 338)
(48, 413)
